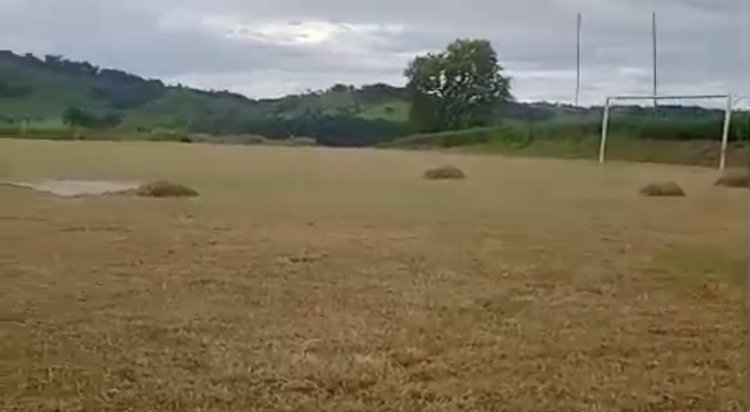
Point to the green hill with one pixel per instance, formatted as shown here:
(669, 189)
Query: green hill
(37, 93)
(28, 88)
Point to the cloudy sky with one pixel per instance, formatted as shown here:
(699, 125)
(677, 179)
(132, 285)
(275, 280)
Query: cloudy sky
(266, 48)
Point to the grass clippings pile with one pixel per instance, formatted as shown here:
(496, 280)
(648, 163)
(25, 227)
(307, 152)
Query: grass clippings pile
(734, 178)
(164, 188)
(447, 172)
(663, 189)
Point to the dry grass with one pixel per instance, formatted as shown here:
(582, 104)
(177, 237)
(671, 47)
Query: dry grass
(446, 172)
(663, 189)
(734, 178)
(162, 188)
(313, 280)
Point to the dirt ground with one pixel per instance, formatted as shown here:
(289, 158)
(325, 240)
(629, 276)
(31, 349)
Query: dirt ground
(307, 279)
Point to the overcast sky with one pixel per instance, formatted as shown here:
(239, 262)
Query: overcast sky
(266, 48)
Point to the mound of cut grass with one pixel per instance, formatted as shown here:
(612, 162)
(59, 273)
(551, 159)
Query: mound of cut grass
(164, 188)
(734, 178)
(447, 172)
(663, 189)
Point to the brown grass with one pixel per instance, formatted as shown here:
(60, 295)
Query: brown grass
(163, 188)
(664, 189)
(447, 172)
(330, 280)
(734, 178)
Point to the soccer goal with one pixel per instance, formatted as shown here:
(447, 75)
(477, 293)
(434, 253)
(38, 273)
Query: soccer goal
(730, 101)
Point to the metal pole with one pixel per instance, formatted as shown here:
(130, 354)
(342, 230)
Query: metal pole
(578, 59)
(725, 134)
(653, 35)
(605, 131)
(747, 313)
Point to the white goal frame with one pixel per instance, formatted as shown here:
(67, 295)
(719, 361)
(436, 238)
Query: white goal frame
(730, 101)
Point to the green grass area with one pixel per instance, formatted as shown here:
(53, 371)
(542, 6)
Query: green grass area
(629, 140)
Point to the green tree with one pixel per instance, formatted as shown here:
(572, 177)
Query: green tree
(457, 88)
(75, 117)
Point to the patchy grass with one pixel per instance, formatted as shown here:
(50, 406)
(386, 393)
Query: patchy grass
(704, 266)
(311, 279)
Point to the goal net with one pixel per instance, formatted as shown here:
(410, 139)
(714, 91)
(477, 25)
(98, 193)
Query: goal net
(611, 101)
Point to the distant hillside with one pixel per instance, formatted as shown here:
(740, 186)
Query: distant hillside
(46, 88)
(40, 91)
(52, 94)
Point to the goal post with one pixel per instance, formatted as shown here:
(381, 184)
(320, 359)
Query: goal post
(725, 131)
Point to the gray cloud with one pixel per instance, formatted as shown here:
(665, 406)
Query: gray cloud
(272, 47)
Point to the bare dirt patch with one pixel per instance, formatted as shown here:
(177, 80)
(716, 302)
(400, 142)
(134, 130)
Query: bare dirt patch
(74, 188)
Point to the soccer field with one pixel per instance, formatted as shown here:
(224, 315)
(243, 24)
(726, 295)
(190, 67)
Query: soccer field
(308, 279)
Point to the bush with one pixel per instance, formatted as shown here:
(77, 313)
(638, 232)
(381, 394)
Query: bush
(338, 130)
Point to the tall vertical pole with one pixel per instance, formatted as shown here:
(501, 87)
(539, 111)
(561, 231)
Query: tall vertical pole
(654, 41)
(578, 59)
(605, 131)
(725, 134)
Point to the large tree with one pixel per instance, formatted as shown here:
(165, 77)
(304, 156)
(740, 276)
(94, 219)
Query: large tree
(457, 88)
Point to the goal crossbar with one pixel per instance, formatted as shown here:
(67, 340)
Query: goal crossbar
(725, 132)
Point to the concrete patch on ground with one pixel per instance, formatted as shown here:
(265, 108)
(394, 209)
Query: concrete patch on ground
(73, 188)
